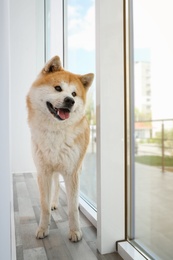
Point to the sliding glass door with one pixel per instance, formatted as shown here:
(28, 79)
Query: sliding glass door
(150, 153)
(79, 52)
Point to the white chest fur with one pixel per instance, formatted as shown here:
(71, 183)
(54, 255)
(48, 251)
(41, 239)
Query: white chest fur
(57, 149)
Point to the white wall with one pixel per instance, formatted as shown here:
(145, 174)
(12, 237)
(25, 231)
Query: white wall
(27, 59)
(4, 133)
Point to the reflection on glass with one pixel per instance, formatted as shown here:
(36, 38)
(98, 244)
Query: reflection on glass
(153, 159)
(81, 60)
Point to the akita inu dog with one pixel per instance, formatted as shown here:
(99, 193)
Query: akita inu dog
(60, 136)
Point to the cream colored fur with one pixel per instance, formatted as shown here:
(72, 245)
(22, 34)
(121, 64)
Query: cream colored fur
(58, 145)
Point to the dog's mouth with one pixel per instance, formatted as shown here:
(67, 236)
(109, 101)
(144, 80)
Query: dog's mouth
(59, 113)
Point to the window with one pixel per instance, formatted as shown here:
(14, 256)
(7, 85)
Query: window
(53, 29)
(150, 193)
(80, 59)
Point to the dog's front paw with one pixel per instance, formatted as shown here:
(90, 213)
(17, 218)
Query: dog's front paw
(54, 205)
(42, 232)
(75, 236)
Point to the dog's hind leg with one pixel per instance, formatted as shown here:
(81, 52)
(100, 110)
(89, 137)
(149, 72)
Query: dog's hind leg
(44, 183)
(72, 189)
(55, 195)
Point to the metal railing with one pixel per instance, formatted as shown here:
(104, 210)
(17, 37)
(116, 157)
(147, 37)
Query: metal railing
(154, 137)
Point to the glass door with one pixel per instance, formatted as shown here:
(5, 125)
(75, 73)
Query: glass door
(79, 22)
(150, 153)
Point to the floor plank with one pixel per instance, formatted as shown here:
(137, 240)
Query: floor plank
(56, 245)
(35, 254)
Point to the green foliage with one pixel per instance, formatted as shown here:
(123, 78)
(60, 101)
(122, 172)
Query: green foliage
(141, 116)
(154, 160)
(168, 134)
(90, 110)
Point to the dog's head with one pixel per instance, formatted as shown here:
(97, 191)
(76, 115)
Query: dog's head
(58, 94)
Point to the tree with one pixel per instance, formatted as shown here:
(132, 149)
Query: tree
(90, 110)
(142, 116)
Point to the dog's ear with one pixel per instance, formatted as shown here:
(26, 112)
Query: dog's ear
(52, 65)
(87, 79)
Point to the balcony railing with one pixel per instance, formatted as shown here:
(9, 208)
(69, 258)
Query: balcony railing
(154, 143)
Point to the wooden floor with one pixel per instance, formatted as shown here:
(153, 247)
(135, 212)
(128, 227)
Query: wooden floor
(56, 245)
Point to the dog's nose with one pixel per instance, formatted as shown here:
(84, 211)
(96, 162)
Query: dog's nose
(69, 101)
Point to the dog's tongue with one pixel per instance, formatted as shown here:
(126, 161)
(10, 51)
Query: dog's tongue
(64, 114)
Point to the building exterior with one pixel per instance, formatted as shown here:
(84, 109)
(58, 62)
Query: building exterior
(143, 110)
(142, 87)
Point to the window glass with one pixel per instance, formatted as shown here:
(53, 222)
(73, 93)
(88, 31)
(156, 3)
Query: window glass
(152, 147)
(80, 59)
(53, 29)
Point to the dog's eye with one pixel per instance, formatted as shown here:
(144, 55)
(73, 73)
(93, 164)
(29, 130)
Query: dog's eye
(58, 88)
(74, 94)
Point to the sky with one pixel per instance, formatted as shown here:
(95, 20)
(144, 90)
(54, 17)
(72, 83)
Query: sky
(142, 54)
(81, 36)
(81, 39)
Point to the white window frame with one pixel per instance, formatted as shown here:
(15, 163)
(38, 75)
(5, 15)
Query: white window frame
(110, 129)
(7, 247)
(56, 44)
(125, 248)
